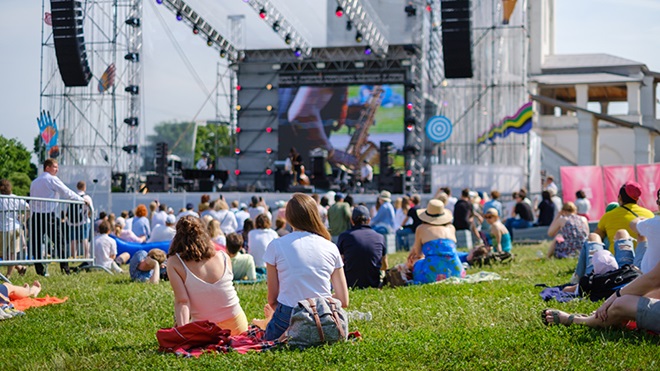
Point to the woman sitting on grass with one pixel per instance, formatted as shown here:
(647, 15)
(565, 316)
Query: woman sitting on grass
(433, 256)
(201, 279)
(301, 265)
(570, 231)
(638, 301)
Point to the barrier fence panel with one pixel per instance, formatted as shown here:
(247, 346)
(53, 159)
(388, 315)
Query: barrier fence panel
(38, 231)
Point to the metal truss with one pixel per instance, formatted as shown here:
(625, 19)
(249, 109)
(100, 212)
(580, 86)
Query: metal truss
(205, 30)
(365, 20)
(280, 25)
(90, 120)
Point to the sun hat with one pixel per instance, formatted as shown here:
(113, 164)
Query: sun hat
(170, 219)
(633, 190)
(121, 221)
(385, 196)
(435, 213)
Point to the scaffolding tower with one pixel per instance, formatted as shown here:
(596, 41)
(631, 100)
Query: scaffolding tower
(99, 126)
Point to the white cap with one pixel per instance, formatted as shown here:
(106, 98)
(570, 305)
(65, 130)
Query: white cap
(121, 221)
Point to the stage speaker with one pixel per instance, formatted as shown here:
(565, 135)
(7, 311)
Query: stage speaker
(67, 19)
(456, 38)
(282, 180)
(158, 183)
(161, 158)
(206, 185)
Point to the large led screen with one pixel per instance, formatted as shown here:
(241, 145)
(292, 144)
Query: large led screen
(348, 122)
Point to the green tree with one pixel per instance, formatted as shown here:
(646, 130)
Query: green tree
(214, 139)
(39, 149)
(179, 133)
(20, 183)
(14, 158)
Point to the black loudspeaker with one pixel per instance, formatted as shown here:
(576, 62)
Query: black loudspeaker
(457, 38)
(161, 158)
(282, 180)
(158, 183)
(206, 185)
(386, 176)
(67, 19)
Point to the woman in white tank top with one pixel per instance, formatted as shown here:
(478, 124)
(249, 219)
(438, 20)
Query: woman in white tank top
(201, 279)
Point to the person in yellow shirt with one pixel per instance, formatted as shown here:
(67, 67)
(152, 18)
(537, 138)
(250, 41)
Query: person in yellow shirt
(615, 224)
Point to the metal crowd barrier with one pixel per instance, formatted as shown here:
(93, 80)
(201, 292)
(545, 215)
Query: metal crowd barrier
(38, 230)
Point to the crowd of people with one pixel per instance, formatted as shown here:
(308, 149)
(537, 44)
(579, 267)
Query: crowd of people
(313, 246)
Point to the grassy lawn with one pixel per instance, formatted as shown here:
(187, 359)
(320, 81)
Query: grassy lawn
(110, 323)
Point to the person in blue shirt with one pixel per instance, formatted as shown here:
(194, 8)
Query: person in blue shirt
(494, 203)
(383, 222)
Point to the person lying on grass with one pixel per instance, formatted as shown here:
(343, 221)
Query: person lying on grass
(13, 292)
(638, 301)
(146, 266)
(201, 279)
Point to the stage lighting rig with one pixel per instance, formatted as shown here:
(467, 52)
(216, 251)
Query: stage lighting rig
(410, 10)
(362, 15)
(204, 29)
(272, 16)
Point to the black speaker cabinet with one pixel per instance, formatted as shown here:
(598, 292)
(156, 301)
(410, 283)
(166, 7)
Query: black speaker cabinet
(457, 38)
(158, 183)
(67, 19)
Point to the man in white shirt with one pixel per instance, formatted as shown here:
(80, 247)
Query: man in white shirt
(190, 210)
(44, 221)
(202, 162)
(366, 173)
(647, 253)
(158, 218)
(105, 249)
(164, 232)
(241, 216)
(550, 185)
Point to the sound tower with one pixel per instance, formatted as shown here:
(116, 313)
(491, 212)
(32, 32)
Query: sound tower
(386, 176)
(456, 38)
(161, 158)
(67, 20)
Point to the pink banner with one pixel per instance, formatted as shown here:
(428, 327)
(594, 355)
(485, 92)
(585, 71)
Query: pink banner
(648, 176)
(615, 177)
(586, 178)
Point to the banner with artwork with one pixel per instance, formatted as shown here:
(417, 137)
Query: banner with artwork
(648, 176)
(588, 179)
(520, 123)
(49, 133)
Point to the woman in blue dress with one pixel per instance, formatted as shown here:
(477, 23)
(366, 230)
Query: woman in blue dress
(433, 256)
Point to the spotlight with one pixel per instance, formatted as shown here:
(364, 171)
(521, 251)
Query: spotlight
(130, 149)
(409, 106)
(358, 64)
(269, 86)
(269, 108)
(133, 57)
(287, 39)
(269, 150)
(269, 171)
(179, 16)
(339, 12)
(131, 121)
(238, 87)
(367, 50)
(262, 13)
(237, 151)
(237, 172)
(298, 52)
(269, 130)
(238, 107)
(428, 7)
(238, 130)
(358, 37)
(135, 22)
(133, 89)
(223, 53)
(159, 2)
(410, 10)
(408, 173)
(276, 26)
(349, 26)
(209, 42)
(410, 127)
(195, 30)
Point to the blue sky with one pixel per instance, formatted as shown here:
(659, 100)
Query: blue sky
(624, 28)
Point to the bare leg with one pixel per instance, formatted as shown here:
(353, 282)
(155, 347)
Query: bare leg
(155, 267)
(551, 249)
(20, 292)
(123, 258)
(623, 309)
(268, 313)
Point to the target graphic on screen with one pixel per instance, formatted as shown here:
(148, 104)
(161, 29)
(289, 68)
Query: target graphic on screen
(438, 129)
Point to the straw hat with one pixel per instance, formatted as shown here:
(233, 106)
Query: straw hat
(385, 196)
(435, 213)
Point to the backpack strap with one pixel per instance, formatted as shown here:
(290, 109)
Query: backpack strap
(335, 317)
(317, 320)
(634, 213)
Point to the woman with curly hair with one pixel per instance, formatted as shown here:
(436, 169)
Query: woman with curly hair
(201, 279)
(301, 265)
(141, 225)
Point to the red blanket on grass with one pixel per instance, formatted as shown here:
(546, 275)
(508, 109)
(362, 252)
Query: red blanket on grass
(27, 303)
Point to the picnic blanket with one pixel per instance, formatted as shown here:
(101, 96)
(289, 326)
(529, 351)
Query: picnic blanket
(27, 303)
(473, 278)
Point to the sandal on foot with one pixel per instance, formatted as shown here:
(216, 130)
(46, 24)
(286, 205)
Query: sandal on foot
(555, 318)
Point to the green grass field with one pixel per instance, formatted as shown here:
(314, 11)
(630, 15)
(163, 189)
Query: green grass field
(110, 323)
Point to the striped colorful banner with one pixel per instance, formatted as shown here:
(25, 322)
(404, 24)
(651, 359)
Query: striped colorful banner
(519, 123)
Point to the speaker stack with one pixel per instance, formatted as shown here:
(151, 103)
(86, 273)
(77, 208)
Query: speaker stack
(67, 20)
(161, 158)
(456, 38)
